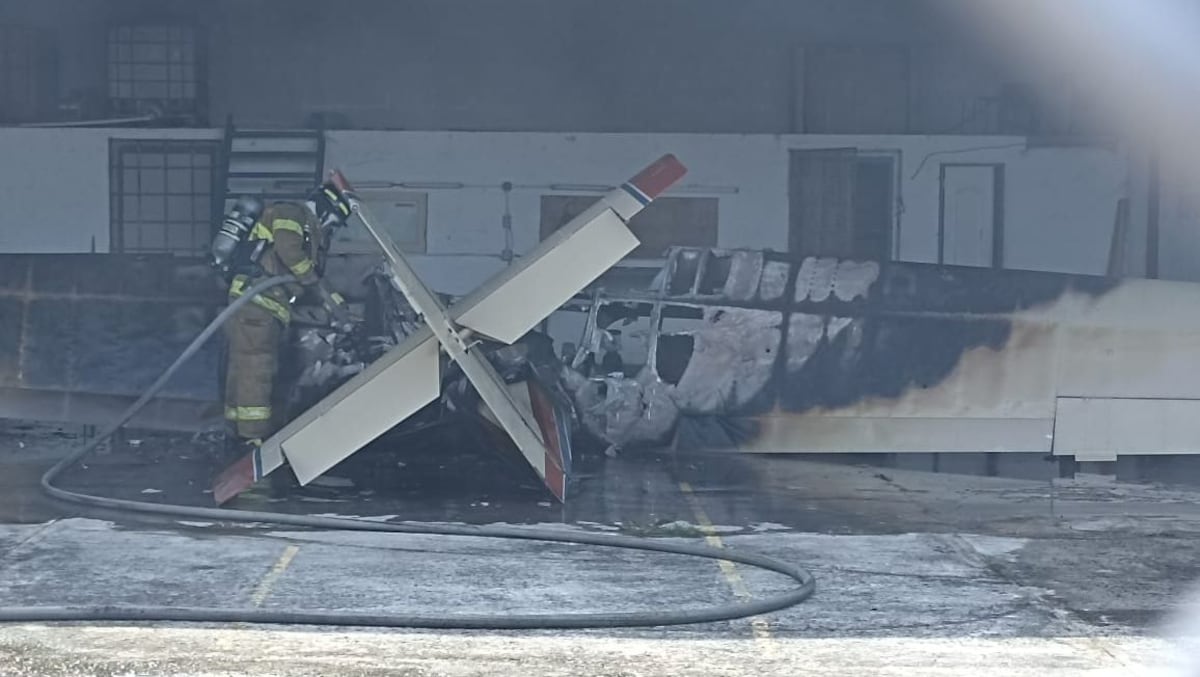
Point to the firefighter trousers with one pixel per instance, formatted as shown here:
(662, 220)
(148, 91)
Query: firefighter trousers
(254, 343)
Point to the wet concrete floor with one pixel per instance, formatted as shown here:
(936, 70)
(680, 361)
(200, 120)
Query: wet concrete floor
(1045, 577)
(648, 493)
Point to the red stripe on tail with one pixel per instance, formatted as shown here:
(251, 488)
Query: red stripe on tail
(658, 177)
(339, 181)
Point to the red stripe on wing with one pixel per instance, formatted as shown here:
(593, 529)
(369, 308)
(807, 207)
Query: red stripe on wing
(547, 420)
(234, 480)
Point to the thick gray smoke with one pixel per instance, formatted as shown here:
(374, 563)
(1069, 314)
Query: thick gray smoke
(1137, 61)
(1182, 630)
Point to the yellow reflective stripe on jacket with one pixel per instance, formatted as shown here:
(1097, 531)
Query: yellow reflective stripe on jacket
(302, 267)
(261, 232)
(238, 287)
(338, 201)
(276, 308)
(248, 413)
(288, 224)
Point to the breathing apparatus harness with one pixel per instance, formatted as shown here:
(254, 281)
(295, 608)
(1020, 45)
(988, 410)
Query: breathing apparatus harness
(235, 252)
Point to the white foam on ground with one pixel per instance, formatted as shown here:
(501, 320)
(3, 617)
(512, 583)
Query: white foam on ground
(365, 518)
(995, 546)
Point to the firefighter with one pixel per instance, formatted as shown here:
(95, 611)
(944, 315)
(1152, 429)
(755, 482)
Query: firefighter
(286, 238)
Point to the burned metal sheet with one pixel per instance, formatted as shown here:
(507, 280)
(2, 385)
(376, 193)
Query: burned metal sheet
(826, 343)
(773, 281)
(820, 279)
(623, 411)
(732, 359)
(805, 334)
(745, 273)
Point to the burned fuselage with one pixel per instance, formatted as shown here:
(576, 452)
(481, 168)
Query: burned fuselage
(766, 352)
(763, 351)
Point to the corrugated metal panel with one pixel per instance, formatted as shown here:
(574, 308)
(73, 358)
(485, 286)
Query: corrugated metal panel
(856, 90)
(822, 202)
(28, 80)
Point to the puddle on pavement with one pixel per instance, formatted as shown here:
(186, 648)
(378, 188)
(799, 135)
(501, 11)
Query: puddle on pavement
(635, 492)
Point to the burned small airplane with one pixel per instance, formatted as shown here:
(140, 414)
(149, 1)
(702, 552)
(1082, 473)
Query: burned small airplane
(455, 429)
(767, 352)
(749, 351)
(764, 352)
(409, 376)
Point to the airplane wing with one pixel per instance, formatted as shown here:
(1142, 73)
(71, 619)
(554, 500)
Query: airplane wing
(504, 309)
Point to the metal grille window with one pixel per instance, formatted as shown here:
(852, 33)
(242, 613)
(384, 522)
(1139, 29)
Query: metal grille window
(162, 196)
(856, 89)
(154, 67)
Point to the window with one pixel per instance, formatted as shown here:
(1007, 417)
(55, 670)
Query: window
(154, 67)
(667, 222)
(401, 214)
(162, 196)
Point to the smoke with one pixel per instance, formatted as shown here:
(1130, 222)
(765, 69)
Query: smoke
(1138, 60)
(1182, 630)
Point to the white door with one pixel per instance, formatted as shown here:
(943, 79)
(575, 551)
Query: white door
(969, 215)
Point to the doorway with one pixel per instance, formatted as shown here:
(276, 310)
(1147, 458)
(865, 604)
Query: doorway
(971, 215)
(841, 203)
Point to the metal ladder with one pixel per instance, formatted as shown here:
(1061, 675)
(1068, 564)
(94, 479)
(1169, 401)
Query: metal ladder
(271, 164)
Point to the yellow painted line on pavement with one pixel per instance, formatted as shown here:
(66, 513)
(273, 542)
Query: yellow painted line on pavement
(759, 625)
(268, 581)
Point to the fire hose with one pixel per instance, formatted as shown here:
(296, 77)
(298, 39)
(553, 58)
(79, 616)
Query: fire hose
(802, 590)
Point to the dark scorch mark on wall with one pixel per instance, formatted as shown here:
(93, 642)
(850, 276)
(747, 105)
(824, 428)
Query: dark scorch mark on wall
(909, 329)
(914, 328)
